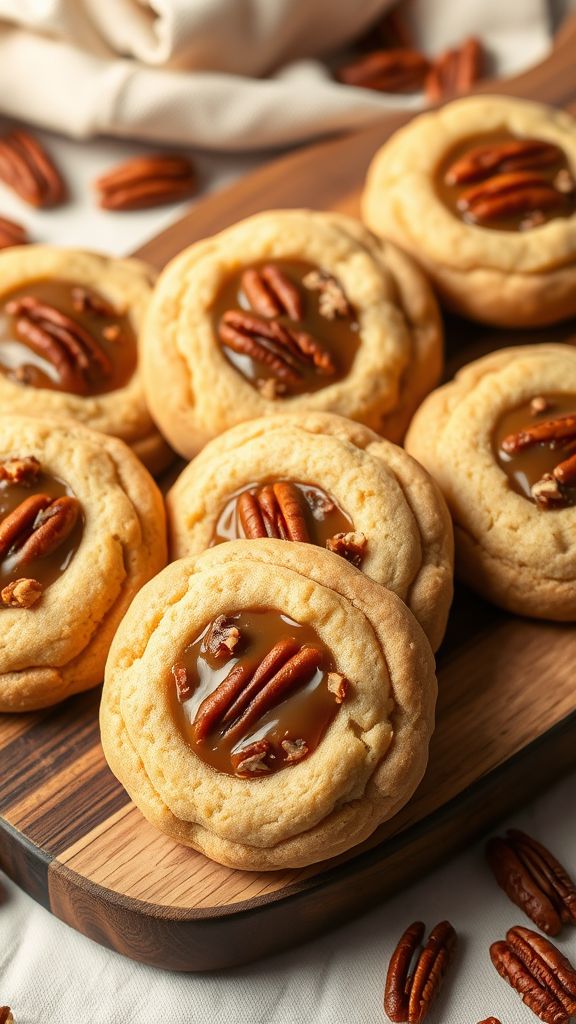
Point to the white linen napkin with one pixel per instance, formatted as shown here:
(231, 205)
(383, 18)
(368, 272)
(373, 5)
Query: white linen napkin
(227, 75)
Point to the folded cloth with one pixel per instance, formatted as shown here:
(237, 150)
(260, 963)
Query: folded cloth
(225, 74)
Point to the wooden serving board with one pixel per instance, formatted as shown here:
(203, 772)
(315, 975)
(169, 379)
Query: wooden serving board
(506, 714)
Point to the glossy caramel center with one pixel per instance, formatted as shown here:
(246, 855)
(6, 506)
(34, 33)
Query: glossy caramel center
(64, 336)
(255, 692)
(263, 510)
(319, 340)
(16, 531)
(506, 183)
(535, 445)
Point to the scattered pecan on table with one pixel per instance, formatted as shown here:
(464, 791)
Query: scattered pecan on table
(387, 71)
(60, 340)
(410, 991)
(455, 71)
(490, 1020)
(12, 233)
(534, 880)
(543, 977)
(146, 181)
(26, 167)
(6, 1015)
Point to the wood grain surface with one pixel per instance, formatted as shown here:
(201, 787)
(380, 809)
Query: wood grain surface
(506, 722)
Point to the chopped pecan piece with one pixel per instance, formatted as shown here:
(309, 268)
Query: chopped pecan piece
(490, 1020)
(12, 233)
(387, 71)
(408, 996)
(6, 1015)
(64, 342)
(350, 546)
(26, 167)
(332, 301)
(275, 510)
(271, 293)
(20, 470)
(22, 593)
(565, 472)
(455, 71)
(539, 972)
(547, 493)
(338, 685)
(295, 750)
(183, 688)
(85, 300)
(223, 636)
(146, 181)
(533, 879)
(538, 405)
(251, 760)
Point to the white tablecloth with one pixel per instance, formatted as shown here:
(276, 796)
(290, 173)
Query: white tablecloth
(51, 975)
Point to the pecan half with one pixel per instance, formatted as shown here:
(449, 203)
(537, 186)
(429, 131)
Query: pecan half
(565, 472)
(271, 293)
(247, 692)
(37, 527)
(386, 71)
(26, 167)
(62, 341)
(12, 233)
(223, 636)
(455, 71)
(490, 1020)
(146, 181)
(6, 1015)
(506, 195)
(183, 688)
(275, 510)
(25, 469)
(332, 301)
(409, 993)
(501, 158)
(539, 972)
(562, 429)
(22, 593)
(351, 546)
(283, 350)
(534, 880)
(251, 760)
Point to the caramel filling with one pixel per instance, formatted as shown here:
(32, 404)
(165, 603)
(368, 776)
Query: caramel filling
(65, 337)
(285, 509)
(255, 692)
(506, 183)
(41, 525)
(535, 445)
(286, 326)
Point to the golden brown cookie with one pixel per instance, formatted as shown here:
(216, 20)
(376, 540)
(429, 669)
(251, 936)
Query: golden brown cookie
(81, 529)
(69, 338)
(289, 311)
(482, 194)
(325, 480)
(190, 716)
(501, 442)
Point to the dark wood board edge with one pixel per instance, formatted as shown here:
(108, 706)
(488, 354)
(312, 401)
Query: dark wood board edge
(552, 81)
(25, 863)
(217, 938)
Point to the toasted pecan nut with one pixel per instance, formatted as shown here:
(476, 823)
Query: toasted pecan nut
(351, 546)
(52, 526)
(490, 1020)
(409, 993)
(563, 428)
(20, 522)
(332, 301)
(250, 761)
(26, 168)
(146, 181)
(283, 350)
(533, 879)
(271, 293)
(20, 469)
(387, 71)
(223, 637)
(12, 233)
(6, 1015)
(22, 593)
(455, 71)
(539, 972)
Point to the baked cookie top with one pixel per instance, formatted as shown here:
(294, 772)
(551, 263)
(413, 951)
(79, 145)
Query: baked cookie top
(81, 529)
(289, 310)
(482, 192)
(500, 440)
(322, 479)
(354, 651)
(69, 327)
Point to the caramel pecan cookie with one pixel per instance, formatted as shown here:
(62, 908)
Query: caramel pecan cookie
(482, 193)
(324, 480)
(501, 442)
(69, 338)
(268, 704)
(81, 529)
(289, 311)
